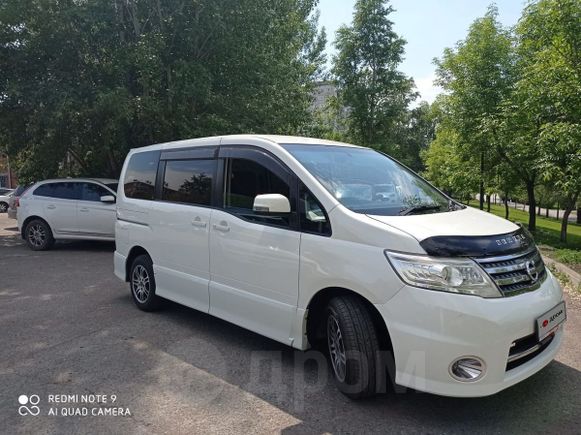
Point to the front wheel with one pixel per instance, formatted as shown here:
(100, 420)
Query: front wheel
(3, 207)
(38, 235)
(142, 284)
(354, 349)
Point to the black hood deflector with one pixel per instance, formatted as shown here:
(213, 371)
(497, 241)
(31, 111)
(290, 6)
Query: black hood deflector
(478, 246)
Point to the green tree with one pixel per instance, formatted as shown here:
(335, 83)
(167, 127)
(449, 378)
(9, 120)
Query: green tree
(365, 68)
(81, 82)
(550, 40)
(446, 169)
(538, 126)
(477, 75)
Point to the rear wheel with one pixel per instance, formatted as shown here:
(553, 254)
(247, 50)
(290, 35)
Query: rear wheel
(142, 284)
(354, 349)
(38, 235)
(3, 207)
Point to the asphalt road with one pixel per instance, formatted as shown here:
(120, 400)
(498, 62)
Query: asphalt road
(69, 327)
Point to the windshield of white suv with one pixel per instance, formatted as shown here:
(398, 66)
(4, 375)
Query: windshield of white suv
(366, 181)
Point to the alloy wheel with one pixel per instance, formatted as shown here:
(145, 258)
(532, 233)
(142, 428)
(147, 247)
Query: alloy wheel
(140, 283)
(336, 348)
(37, 235)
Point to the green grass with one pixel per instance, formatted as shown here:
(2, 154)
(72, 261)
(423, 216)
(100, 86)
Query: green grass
(547, 233)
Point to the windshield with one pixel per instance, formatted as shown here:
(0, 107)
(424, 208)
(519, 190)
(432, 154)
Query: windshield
(366, 181)
(112, 186)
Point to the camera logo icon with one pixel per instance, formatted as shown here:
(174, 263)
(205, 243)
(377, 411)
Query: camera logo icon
(28, 405)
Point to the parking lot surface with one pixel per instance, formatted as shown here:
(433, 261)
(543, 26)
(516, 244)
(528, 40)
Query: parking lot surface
(70, 332)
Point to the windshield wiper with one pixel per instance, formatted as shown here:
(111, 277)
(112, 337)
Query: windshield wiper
(415, 208)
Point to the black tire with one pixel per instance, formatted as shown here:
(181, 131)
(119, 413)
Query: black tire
(364, 371)
(142, 284)
(38, 235)
(3, 207)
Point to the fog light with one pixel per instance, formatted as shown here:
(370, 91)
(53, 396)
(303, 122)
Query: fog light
(467, 369)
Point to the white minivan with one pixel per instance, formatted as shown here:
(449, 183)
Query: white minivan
(310, 242)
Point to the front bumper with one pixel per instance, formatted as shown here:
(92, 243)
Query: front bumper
(430, 329)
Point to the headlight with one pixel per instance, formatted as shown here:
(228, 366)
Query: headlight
(443, 274)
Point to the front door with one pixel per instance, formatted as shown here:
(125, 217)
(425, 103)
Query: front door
(95, 218)
(254, 259)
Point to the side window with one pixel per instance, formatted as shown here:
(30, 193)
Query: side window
(313, 218)
(244, 180)
(93, 192)
(59, 190)
(189, 181)
(140, 175)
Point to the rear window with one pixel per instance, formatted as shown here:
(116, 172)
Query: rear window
(189, 181)
(20, 189)
(140, 175)
(58, 190)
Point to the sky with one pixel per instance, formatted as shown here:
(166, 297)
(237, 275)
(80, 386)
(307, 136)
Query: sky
(428, 26)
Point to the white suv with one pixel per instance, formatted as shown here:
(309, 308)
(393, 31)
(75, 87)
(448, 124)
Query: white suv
(71, 208)
(308, 241)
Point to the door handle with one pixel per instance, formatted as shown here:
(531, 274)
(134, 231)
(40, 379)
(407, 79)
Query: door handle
(84, 209)
(197, 222)
(51, 206)
(222, 227)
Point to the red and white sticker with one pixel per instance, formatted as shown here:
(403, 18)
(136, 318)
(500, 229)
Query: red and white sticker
(550, 321)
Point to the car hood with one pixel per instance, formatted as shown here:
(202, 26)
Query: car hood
(465, 222)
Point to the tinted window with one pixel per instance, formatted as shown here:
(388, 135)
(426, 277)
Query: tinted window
(93, 192)
(313, 218)
(244, 180)
(188, 181)
(248, 179)
(112, 186)
(20, 189)
(140, 175)
(59, 190)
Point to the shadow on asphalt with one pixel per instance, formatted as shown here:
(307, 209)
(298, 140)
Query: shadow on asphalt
(548, 399)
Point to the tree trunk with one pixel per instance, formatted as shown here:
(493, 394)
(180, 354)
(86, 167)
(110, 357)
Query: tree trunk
(579, 215)
(558, 206)
(506, 209)
(564, 224)
(539, 209)
(547, 212)
(532, 206)
(481, 192)
(488, 203)
(571, 200)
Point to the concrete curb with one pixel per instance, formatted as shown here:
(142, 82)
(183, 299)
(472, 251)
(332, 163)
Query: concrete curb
(573, 276)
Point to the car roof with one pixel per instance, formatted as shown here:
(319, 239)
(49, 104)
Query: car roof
(99, 180)
(277, 139)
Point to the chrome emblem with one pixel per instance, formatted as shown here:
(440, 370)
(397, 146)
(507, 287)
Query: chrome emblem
(532, 270)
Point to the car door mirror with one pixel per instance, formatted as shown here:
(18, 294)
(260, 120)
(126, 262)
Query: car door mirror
(271, 203)
(108, 199)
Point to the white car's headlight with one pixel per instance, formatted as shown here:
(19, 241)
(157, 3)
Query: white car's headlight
(443, 274)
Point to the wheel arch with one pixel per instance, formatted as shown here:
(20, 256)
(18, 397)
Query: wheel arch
(134, 252)
(28, 220)
(316, 310)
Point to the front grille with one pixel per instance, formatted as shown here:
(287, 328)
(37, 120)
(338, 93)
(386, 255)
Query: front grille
(525, 349)
(517, 273)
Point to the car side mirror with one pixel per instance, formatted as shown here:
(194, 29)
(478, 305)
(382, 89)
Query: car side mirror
(271, 203)
(108, 199)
